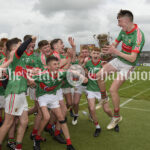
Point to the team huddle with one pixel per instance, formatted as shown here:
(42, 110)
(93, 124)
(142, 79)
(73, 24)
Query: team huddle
(43, 76)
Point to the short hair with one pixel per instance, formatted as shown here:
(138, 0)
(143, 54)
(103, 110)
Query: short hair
(11, 42)
(4, 40)
(96, 49)
(27, 37)
(84, 47)
(50, 59)
(125, 13)
(1, 44)
(43, 43)
(53, 42)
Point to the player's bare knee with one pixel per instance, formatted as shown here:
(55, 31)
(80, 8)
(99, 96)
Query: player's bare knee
(46, 118)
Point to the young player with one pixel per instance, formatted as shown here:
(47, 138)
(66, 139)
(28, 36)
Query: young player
(16, 104)
(92, 67)
(83, 58)
(48, 83)
(133, 40)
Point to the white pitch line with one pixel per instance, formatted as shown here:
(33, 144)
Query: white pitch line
(109, 93)
(129, 100)
(137, 109)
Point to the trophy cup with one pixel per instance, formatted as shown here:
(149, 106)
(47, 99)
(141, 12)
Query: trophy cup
(103, 40)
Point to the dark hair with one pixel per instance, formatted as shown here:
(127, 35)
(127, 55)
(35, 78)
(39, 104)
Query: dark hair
(43, 43)
(127, 13)
(84, 47)
(50, 59)
(11, 42)
(1, 44)
(26, 37)
(53, 42)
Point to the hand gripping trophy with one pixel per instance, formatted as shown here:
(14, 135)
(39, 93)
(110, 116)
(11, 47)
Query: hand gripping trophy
(104, 39)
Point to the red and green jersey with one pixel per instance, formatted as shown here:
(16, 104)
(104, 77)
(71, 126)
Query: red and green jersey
(17, 77)
(48, 83)
(93, 68)
(132, 41)
(59, 56)
(41, 61)
(2, 90)
(2, 55)
(30, 60)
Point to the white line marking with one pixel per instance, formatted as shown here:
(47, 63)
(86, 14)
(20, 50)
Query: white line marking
(129, 100)
(136, 109)
(109, 93)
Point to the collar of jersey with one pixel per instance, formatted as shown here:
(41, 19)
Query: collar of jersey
(28, 54)
(135, 27)
(95, 64)
(51, 75)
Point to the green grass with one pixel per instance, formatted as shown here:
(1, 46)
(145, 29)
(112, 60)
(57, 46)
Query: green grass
(134, 129)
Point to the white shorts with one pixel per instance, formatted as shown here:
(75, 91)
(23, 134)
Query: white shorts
(32, 93)
(96, 95)
(59, 93)
(49, 100)
(80, 89)
(122, 68)
(66, 90)
(16, 104)
(2, 102)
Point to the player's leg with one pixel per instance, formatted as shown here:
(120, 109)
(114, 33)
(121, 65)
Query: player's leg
(116, 100)
(76, 100)
(51, 123)
(101, 75)
(91, 104)
(62, 121)
(68, 98)
(11, 134)
(44, 121)
(9, 119)
(37, 121)
(107, 109)
(21, 129)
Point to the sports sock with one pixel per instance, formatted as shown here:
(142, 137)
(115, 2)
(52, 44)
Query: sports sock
(103, 94)
(0, 119)
(49, 126)
(68, 141)
(34, 132)
(18, 146)
(11, 140)
(76, 116)
(116, 113)
(97, 125)
(57, 132)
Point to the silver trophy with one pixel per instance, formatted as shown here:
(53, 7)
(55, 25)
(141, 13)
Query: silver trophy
(103, 40)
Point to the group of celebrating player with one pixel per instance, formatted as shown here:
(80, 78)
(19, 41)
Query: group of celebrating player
(43, 76)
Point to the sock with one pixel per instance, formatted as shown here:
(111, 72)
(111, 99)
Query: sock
(103, 94)
(34, 132)
(68, 141)
(38, 137)
(97, 125)
(57, 132)
(11, 140)
(76, 116)
(116, 113)
(18, 146)
(49, 126)
(0, 119)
